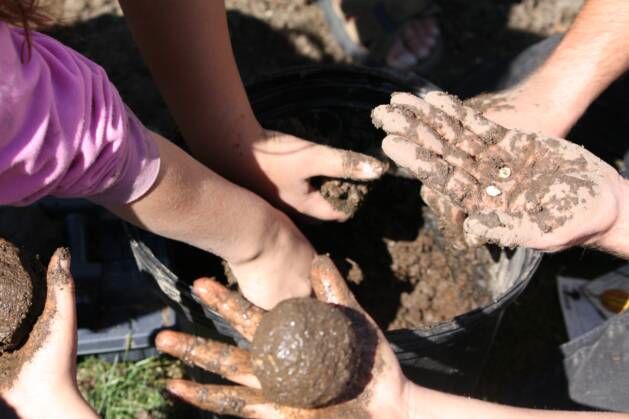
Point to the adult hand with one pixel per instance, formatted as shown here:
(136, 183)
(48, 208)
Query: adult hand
(527, 107)
(46, 387)
(289, 163)
(516, 188)
(381, 395)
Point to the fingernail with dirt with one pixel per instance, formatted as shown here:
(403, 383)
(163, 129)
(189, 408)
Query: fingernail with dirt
(177, 388)
(165, 341)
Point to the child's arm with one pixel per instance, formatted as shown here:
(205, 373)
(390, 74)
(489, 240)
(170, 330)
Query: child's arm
(190, 203)
(64, 131)
(187, 46)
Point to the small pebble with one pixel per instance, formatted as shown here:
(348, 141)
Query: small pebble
(504, 172)
(492, 190)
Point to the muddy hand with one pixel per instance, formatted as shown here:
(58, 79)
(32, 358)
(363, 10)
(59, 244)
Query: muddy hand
(46, 384)
(374, 397)
(516, 188)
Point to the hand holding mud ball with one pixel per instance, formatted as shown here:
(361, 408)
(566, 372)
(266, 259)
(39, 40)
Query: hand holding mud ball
(309, 359)
(515, 188)
(38, 373)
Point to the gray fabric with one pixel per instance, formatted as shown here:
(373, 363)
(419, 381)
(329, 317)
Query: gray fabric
(597, 366)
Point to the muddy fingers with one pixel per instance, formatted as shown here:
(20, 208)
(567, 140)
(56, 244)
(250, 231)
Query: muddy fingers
(485, 130)
(224, 400)
(328, 284)
(437, 174)
(225, 360)
(450, 216)
(347, 164)
(412, 117)
(240, 313)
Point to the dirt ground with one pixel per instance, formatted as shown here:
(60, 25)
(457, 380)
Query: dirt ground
(480, 37)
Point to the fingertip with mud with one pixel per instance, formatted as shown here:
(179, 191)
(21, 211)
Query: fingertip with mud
(409, 100)
(166, 340)
(232, 306)
(400, 150)
(328, 283)
(359, 166)
(58, 272)
(209, 290)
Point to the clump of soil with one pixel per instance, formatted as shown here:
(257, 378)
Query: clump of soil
(345, 196)
(22, 292)
(20, 299)
(305, 353)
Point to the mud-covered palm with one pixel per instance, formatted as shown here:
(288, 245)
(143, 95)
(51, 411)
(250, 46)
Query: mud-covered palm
(516, 188)
(378, 397)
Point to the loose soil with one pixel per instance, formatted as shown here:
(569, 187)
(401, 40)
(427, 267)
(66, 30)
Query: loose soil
(305, 353)
(22, 291)
(344, 196)
(20, 281)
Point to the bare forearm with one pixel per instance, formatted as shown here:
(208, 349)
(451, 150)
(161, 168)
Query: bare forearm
(429, 404)
(187, 46)
(593, 54)
(190, 203)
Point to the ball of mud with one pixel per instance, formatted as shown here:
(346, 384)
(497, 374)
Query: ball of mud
(17, 300)
(305, 353)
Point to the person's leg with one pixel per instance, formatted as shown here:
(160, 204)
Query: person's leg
(402, 34)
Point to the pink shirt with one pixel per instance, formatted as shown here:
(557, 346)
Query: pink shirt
(64, 130)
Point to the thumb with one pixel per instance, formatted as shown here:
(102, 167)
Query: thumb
(495, 227)
(337, 163)
(62, 303)
(318, 207)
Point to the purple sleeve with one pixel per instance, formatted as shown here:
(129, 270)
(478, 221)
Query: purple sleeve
(64, 130)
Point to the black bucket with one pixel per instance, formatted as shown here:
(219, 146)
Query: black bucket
(448, 356)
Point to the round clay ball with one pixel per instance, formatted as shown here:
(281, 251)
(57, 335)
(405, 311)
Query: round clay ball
(17, 283)
(305, 353)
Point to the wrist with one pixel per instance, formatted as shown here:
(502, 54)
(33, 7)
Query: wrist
(62, 403)
(557, 105)
(616, 238)
(260, 237)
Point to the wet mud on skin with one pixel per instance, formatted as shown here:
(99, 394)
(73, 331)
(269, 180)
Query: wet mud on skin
(306, 353)
(32, 336)
(20, 295)
(530, 177)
